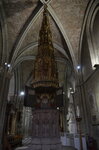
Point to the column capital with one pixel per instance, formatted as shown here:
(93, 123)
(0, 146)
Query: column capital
(9, 75)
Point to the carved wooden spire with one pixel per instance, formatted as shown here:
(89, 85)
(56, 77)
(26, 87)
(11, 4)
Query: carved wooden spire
(45, 68)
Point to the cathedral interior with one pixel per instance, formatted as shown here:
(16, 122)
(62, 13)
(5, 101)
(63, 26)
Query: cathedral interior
(49, 45)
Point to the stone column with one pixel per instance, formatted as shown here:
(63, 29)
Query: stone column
(13, 124)
(4, 87)
(8, 124)
(19, 122)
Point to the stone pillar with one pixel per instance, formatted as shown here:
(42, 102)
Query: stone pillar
(19, 122)
(4, 87)
(13, 124)
(8, 127)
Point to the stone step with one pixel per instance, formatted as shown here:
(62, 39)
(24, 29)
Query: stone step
(26, 141)
(68, 148)
(63, 148)
(21, 148)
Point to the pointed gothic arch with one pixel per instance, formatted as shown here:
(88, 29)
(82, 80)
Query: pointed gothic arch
(90, 33)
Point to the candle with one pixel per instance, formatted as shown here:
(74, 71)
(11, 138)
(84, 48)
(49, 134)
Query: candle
(78, 111)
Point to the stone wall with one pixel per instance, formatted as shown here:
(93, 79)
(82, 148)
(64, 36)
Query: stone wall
(90, 86)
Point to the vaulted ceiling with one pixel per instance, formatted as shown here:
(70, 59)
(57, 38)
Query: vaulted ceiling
(23, 19)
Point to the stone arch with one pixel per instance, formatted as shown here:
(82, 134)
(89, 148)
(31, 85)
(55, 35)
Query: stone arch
(95, 33)
(29, 24)
(88, 28)
(3, 36)
(86, 64)
(35, 45)
(84, 28)
(90, 33)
